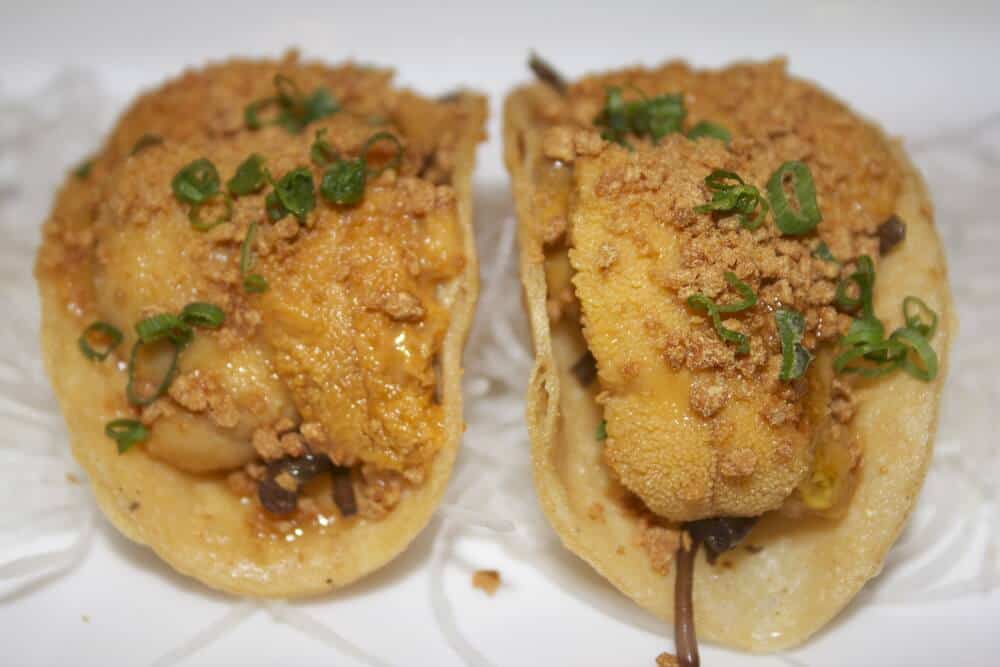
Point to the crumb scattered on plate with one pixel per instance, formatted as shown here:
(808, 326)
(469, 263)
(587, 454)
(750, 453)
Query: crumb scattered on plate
(666, 660)
(486, 580)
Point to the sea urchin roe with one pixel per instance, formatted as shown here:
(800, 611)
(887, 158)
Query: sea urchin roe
(353, 319)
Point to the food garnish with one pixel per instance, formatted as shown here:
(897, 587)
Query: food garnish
(126, 433)
(344, 179)
(252, 282)
(794, 220)
(702, 302)
(112, 336)
(730, 194)
(794, 357)
(295, 110)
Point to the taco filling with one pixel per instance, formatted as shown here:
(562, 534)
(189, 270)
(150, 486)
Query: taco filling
(710, 246)
(269, 264)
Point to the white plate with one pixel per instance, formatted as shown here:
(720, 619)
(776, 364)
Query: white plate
(100, 600)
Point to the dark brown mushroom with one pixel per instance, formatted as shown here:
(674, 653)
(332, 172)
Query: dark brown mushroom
(585, 369)
(720, 534)
(275, 498)
(343, 492)
(891, 233)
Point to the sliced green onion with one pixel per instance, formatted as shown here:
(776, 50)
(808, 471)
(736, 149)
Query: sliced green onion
(914, 318)
(344, 182)
(396, 160)
(145, 141)
(295, 110)
(915, 341)
(163, 325)
(110, 332)
(792, 221)
(794, 357)
(249, 177)
(707, 129)
(126, 433)
(602, 431)
(318, 105)
(864, 278)
(274, 208)
(872, 359)
(194, 215)
(702, 302)
(203, 315)
(82, 170)
(822, 251)
(252, 282)
(613, 117)
(197, 182)
(864, 331)
(288, 91)
(731, 195)
(749, 298)
(296, 192)
(251, 113)
(657, 116)
(321, 152)
(653, 117)
(130, 393)
(255, 283)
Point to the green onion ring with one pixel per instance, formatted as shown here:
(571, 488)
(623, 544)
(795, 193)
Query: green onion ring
(114, 335)
(168, 377)
(126, 433)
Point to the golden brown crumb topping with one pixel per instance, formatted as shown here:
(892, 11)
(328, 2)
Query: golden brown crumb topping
(336, 356)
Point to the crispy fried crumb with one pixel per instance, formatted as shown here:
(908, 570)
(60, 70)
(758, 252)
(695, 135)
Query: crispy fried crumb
(708, 395)
(667, 660)
(607, 256)
(842, 405)
(199, 392)
(487, 581)
(554, 230)
(659, 542)
(403, 307)
(286, 481)
(275, 441)
(738, 462)
(379, 492)
(557, 144)
(596, 512)
(241, 484)
(314, 434)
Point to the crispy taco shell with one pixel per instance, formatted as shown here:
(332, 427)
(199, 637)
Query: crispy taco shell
(193, 521)
(798, 573)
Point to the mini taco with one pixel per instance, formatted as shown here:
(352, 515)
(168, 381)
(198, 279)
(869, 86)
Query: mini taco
(740, 314)
(254, 302)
